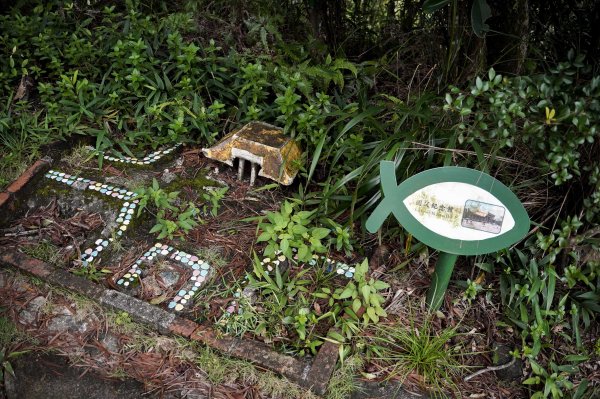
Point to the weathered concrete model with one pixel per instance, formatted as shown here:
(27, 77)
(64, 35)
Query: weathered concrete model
(263, 145)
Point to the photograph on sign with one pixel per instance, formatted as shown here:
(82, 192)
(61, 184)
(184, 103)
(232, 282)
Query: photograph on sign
(482, 216)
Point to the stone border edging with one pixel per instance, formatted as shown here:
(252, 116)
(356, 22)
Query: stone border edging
(313, 375)
(16, 186)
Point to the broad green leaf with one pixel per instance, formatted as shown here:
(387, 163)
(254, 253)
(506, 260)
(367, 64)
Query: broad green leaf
(8, 367)
(156, 228)
(320, 232)
(380, 285)
(551, 287)
(185, 225)
(278, 278)
(356, 304)
(536, 368)
(315, 160)
(366, 293)
(284, 245)
(303, 251)
(336, 335)
(576, 358)
(299, 229)
(581, 389)
(263, 237)
(372, 315)
(347, 293)
(380, 312)
(430, 6)
(480, 12)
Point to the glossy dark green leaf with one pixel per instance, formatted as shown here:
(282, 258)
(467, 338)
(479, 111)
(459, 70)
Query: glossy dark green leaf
(430, 6)
(480, 13)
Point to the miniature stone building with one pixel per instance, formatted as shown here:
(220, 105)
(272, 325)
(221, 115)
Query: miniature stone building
(264, 146)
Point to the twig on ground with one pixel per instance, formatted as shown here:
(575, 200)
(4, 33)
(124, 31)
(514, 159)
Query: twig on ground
(491, 368)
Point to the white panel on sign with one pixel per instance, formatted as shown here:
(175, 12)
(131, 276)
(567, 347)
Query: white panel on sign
(459, 211)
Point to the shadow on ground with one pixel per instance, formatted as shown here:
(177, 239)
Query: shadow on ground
(48, 376)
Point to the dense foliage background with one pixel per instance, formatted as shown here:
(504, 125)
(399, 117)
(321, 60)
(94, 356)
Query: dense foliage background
(512, 89)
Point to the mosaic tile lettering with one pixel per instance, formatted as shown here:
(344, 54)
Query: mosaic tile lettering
(147, 160)
(330, 265)
(199, 267)
(124, 218)
(269, 264)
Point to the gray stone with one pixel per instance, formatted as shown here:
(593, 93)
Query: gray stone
(168, 176)
(20, 284)
(502, 356)
(169, 277)
(151, 287)
(2, 278)
(140, 311)
(62, 323)
(383, 390)
(70, 204)
(110, 342)
(194, 394)
(250, 294)
(44, 376)
(79, 185)
(65, 321)
(111, 223)
(29, 315)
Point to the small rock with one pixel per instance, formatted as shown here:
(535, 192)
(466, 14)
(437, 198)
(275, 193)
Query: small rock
(151, 287)
(168, 176)
(62, 323)
(193, 394)
(502, 356)
(20, 285)
(382, 390)
(80, 185)
(250, 294)
(30, 313)
(110, 342)
(2, 278)
(165, 344)
(65, 321)
(169, 277)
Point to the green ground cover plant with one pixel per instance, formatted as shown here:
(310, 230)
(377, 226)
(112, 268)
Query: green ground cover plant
(436, 356)
(171, 216)
(134, 77)
(302, 307)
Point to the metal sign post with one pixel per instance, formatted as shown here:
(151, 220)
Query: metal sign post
(458, 211)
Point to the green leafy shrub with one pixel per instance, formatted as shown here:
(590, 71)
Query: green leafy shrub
(300, 306)
(300, 234)
(170, 218)
(549, 286)
(364, 295)
(291, 229)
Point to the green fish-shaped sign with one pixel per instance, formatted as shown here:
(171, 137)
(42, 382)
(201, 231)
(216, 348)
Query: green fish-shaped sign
(457, 210)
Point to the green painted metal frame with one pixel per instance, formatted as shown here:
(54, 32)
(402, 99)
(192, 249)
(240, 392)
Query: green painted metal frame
(449, 248)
